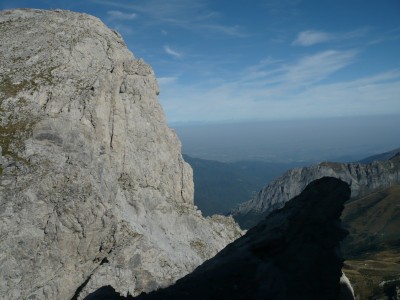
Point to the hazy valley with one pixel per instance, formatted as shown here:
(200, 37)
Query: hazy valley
(219, 186)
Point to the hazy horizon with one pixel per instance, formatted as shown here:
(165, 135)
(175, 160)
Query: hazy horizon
(313, 140)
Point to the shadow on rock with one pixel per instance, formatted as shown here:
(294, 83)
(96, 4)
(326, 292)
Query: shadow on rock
(292, 254)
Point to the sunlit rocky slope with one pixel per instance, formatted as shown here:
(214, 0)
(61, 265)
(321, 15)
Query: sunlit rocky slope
(93, 187)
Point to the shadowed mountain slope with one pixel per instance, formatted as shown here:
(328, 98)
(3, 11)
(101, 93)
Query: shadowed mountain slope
(373, 222)
(292, 254)
(372, 249)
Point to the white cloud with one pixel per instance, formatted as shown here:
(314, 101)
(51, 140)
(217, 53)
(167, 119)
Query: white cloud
(364, 96)
(119, 15)
(283, 90)
(304, 72)
(311, 37)
(235, 30)
(123, 29)
(192, 15)
(161, 10)
(172, 52)
(317, 67)
(166, 80)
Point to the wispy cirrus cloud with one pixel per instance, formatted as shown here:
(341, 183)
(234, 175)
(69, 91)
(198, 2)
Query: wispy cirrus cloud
(276, 89)
(390, 35)
(172, 52)
(311, 37)
(119, 15)
(371, 95)
(316, 67)
(163, 81)
(126, 30)
(159, 9)
(301, 73)
(235, 30)
(193, 15)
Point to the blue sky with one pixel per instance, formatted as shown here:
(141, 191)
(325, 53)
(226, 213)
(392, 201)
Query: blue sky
(224, 61)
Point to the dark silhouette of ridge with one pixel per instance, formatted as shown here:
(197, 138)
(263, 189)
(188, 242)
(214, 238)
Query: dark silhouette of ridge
(292, 254)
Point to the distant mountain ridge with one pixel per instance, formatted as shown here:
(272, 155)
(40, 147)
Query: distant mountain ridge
(363, 178)
(220, 186)
(382, 156)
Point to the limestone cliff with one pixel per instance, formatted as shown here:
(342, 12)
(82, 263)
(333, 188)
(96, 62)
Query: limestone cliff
(93, 187)
(362, 178)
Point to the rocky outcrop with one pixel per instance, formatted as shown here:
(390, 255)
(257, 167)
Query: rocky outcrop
(292, 254)
(93, 187)
(363, 178)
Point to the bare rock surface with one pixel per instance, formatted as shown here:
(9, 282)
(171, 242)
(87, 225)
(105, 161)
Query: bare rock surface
(291, 254)
(362, 178)
(93, 187)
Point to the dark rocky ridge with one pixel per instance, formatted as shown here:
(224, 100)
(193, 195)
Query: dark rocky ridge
(292, 254)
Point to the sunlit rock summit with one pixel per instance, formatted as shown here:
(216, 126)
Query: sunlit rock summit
(93, 187)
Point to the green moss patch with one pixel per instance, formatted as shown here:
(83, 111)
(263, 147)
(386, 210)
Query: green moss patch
(16, 120)
(10, 89)
(12, 137)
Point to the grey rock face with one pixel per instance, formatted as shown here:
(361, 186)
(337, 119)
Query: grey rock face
(93, 187)
(362, 178)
